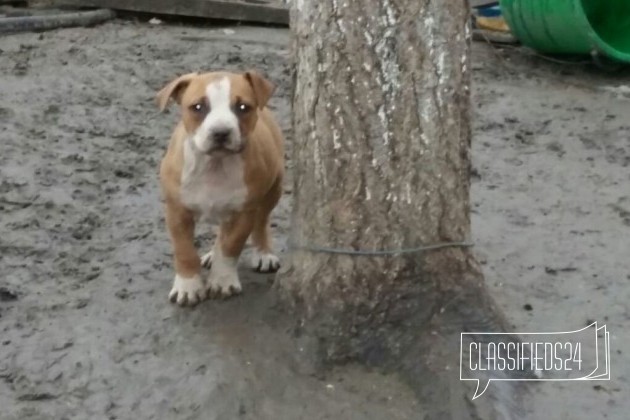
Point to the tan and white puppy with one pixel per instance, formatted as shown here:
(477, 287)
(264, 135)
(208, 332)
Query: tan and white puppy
(225, 163)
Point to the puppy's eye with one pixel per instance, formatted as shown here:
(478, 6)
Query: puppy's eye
(242, 108)
(199, 108)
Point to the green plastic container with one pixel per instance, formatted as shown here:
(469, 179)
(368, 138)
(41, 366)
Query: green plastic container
(572, 26)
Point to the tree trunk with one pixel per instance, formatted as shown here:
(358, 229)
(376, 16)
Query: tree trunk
(381, 155)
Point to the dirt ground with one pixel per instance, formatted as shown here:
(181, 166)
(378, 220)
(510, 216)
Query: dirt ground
(85, 327)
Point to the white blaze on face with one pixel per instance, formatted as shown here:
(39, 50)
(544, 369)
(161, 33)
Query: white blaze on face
(220, 118)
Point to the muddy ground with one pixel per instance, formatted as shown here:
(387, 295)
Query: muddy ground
(85, 327)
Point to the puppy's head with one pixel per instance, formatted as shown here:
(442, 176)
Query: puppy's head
(219, 110)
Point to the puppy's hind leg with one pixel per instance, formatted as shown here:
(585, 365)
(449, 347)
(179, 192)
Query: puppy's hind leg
(263, 259)
(206, 259)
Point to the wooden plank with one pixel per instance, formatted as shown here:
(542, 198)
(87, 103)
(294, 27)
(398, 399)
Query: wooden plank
(264, 11)
(477, 3)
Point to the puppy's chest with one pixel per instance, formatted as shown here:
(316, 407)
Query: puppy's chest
(214, 189)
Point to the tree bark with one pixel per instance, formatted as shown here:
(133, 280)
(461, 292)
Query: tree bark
(382, 150)
(381, 155)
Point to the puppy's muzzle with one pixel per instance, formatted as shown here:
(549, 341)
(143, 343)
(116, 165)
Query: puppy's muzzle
(224, 140)
(221, 138)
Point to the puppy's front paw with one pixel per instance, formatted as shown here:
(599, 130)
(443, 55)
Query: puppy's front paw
(223, 282)
(265, 262)
(206, 260)
(187, 291)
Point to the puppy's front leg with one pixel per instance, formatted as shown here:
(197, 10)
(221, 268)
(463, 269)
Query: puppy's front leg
(223, 280)
(188, 288)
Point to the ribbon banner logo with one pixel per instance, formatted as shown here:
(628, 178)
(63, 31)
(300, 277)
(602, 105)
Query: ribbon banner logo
(581, 355)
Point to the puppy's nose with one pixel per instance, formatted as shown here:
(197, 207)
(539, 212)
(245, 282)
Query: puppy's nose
(221, 137)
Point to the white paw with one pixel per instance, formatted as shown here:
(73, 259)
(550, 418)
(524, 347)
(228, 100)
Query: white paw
(206, 260)
(223, 280)
(222, 284)
(265, 262)
(187, 291)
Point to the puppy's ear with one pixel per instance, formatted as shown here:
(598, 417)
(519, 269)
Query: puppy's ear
(174, 90)
(263, 88)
